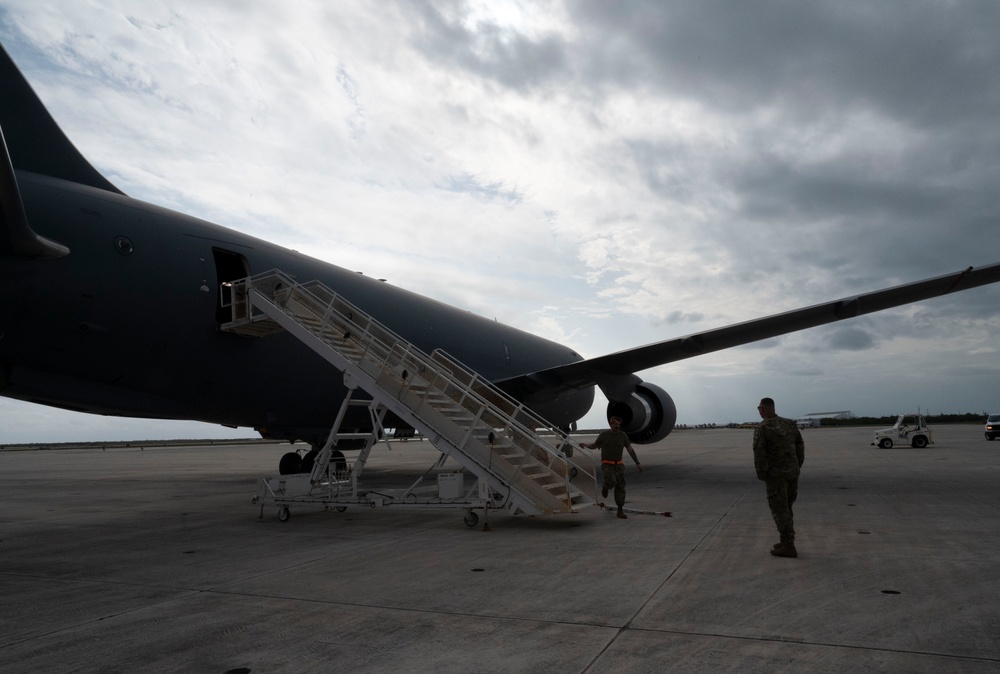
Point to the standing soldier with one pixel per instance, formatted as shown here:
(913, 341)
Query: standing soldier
(778, 453)
(611, 443)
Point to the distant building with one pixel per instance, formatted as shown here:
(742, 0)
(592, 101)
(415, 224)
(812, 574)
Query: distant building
(813, 419)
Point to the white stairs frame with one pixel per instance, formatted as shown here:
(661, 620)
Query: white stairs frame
(464, 416)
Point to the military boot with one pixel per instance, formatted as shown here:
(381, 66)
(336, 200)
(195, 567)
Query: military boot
(786, 549)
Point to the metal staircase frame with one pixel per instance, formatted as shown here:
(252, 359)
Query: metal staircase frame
(464, 416)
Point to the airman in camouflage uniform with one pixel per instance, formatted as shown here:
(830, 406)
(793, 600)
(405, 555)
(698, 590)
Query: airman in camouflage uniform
(778, 453)
(612, 443)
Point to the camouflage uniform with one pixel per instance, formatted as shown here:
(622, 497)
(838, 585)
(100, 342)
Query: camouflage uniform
(612, 443)
(778, 453)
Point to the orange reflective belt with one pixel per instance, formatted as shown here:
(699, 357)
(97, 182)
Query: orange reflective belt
(613, 463)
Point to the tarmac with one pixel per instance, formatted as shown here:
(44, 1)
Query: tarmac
(154, 560)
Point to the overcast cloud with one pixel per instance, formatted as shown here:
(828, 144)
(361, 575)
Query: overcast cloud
(602, 174)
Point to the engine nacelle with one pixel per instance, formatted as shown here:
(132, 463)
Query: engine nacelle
(648, 415)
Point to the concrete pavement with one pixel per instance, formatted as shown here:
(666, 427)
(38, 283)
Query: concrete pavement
(154, 560)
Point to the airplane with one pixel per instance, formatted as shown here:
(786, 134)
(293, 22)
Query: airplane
(112, 306)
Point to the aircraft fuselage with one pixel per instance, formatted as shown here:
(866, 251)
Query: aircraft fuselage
(127, 323)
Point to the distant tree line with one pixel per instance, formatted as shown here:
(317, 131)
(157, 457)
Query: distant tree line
(966, 418)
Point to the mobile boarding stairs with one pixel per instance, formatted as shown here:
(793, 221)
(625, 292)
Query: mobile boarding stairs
(464, 416)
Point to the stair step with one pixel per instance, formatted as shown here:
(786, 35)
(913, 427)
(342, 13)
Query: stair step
(464, 405)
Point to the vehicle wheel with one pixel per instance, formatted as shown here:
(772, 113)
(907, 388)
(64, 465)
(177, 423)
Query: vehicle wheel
(290, 464)
(885, 443)
(919, 441)
(471, 519)
(989, 437)
(341, 509)
(283, 514)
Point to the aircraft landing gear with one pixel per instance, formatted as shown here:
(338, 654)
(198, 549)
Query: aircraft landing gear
(290, 464)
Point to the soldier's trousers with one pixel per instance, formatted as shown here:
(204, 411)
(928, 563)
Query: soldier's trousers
(614, 478)
(781, 494)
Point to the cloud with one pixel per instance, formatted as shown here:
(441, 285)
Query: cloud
(607, 174)
(510, 54)
(487, 191)
(851, 339)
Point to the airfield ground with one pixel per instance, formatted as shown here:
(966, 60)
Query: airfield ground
(153, 559)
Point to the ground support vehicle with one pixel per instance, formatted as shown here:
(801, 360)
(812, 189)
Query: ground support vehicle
(993, 427)
(910, 429)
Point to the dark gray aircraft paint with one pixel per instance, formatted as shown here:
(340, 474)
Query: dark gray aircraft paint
(112, 306)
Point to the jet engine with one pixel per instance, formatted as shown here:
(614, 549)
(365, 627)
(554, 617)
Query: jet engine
(648, 414)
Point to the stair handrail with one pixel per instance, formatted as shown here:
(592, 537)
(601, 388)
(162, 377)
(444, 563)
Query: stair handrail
(280, 287)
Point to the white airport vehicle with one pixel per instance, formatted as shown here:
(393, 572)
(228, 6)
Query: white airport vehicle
(910, 429)
(993, 427)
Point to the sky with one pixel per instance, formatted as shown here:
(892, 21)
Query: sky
(603, 174)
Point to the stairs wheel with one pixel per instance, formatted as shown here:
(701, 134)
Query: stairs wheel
(471, 519)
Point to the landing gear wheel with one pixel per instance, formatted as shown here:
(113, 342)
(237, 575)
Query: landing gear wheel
(284, 513)
(308, 461)
(885, 443)
(471, 519)
(338, 460)
(290, 464)
(919, 442)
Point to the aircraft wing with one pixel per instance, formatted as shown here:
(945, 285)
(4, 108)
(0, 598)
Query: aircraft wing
(605, 369)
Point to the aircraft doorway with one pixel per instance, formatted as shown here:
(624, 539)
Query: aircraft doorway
(229, 266)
